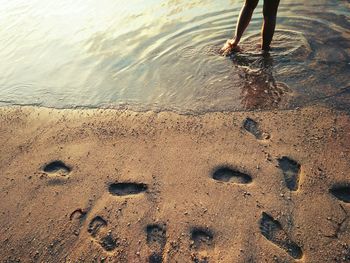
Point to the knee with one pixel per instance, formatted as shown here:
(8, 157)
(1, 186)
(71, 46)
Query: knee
(270, 8)
(251, 4)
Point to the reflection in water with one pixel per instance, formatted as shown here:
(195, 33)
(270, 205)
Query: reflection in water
(159, 55)
(260, 90)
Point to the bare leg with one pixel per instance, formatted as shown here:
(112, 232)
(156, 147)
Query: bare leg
(242, 23)
(244, 18)
(268, 29)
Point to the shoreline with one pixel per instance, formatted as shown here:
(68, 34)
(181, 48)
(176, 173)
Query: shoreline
(117, 185)
(320, 103)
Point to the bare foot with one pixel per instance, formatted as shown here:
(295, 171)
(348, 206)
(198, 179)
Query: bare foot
(229, 46)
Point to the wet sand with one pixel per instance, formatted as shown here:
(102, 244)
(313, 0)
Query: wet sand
(121, 186)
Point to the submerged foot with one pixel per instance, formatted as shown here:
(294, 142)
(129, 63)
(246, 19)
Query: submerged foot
(229, 47)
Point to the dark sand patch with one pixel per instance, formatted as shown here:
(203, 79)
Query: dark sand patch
(96, 224)
(122, 189)
(341, 192)
(108, 242)
(156, 240)
(273, 231)
(253, 127)
(201, 237)
(291, 172)
(57, 167)
(226, 174)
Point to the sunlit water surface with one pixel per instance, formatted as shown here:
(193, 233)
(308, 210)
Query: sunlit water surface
(163, 55)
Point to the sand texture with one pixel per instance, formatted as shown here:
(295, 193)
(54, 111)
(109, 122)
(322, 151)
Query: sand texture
(120, 186)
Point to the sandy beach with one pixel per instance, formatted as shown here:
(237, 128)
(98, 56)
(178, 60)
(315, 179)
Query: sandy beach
(123, 186)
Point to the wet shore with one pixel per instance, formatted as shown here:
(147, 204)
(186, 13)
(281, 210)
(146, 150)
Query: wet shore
(122, 186)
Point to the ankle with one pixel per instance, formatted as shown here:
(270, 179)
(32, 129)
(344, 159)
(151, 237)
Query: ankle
(235, 41)
(265, 48)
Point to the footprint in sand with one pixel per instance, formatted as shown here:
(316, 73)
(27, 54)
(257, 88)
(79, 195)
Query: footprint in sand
(97, 229)
(341, 192)
(95, 225)
(122, 189)
(291, 172)
(252, 127)
(57, 168)
(202, 241)
(272, 230)
(108, 242)
(156, 240)
(227, 174)
(78, 214)
(77, 218)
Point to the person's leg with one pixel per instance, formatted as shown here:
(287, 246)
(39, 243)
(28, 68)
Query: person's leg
(242, 23)
(244, 18)
(268, 29)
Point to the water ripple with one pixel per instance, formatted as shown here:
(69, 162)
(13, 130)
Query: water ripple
(165, 56)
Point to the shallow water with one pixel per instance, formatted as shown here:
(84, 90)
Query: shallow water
(164, 55)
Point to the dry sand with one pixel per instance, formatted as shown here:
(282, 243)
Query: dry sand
(121, 186)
